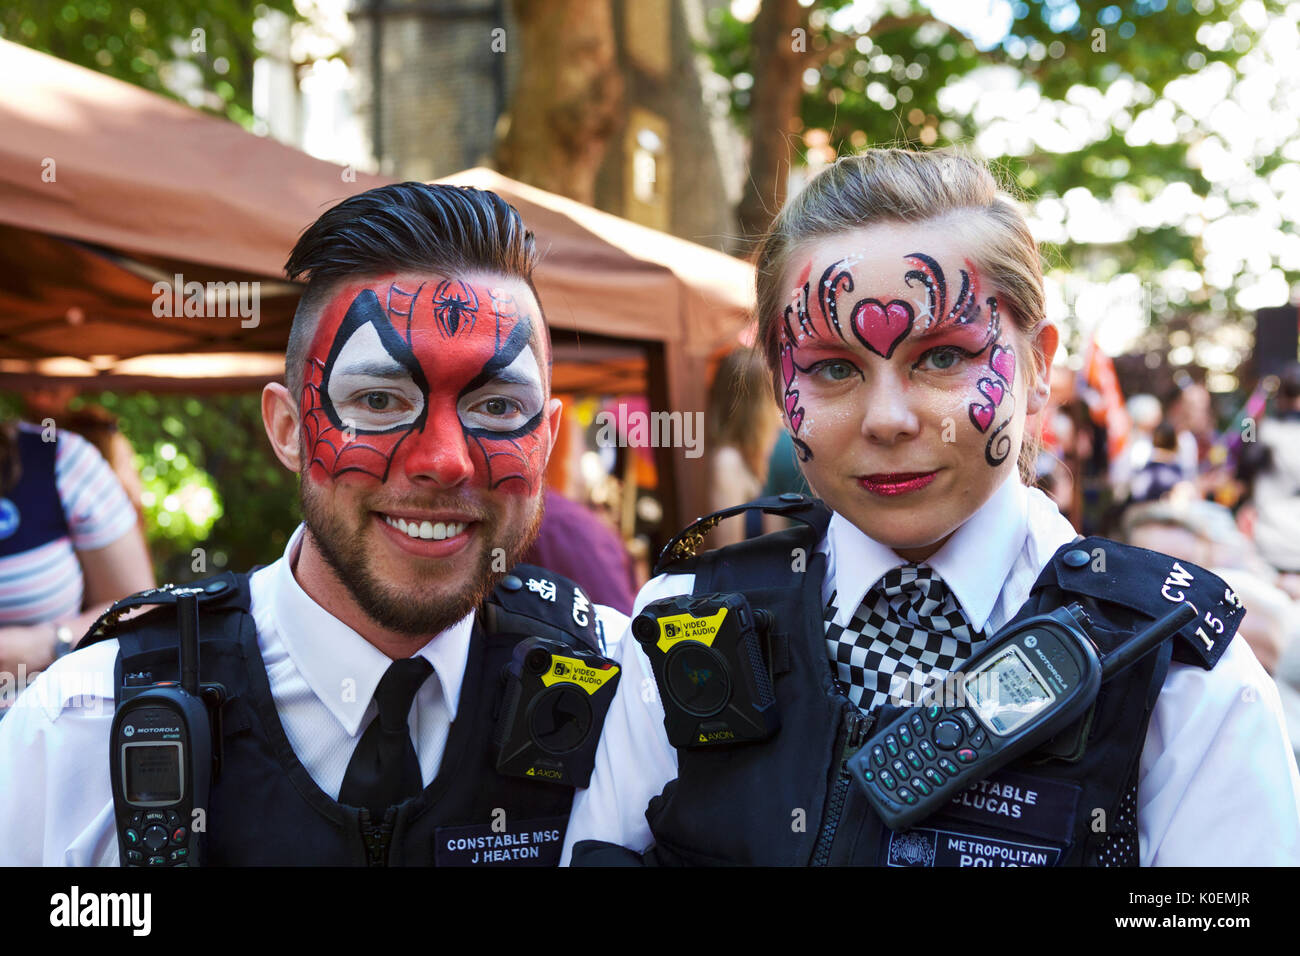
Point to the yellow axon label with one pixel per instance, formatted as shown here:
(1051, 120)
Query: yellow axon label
(713, 736)
(688, 627)
(547, 772)
(573, 671)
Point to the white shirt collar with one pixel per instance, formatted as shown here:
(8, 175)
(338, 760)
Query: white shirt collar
(340, 666)
(974, 562)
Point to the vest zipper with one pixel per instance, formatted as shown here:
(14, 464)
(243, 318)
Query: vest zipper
(377, 836)
(856, 725)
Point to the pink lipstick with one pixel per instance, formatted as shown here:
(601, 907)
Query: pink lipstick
(898, 483)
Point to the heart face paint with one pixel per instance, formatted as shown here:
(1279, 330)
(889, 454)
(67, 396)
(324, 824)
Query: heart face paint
(883, 326)
(434, 375)
(893, 360)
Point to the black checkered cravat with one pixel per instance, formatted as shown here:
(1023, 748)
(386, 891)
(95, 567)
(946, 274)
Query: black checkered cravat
(909, 628)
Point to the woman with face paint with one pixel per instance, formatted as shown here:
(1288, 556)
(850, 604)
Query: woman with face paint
(901, 316)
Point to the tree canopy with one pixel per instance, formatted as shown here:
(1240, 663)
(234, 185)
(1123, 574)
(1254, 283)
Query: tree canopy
(1132, 115)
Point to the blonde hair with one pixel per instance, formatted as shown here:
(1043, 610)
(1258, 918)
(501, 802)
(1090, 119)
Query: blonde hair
(905, 186)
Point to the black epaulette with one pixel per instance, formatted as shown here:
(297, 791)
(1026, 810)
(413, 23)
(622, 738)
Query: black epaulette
(1150, 584)
(687, 544)
(535, 602)
(217, 590)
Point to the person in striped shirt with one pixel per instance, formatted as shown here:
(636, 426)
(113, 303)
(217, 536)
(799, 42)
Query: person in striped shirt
(70, 545)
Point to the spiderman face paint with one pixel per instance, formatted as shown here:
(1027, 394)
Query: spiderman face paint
(426, 373)
(425, 430)
(899, 380)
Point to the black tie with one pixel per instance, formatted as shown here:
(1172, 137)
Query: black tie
(384, 769)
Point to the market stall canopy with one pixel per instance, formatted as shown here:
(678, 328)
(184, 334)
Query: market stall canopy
(107, 189)
(608, 275)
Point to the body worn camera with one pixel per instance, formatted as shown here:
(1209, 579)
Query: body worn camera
(708, 661)
(555, 703)
(161, 760)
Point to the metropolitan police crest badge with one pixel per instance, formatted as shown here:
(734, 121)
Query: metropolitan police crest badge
(912, 849)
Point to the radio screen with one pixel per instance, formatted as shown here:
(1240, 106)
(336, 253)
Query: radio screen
(1006, 692)
(153, 773)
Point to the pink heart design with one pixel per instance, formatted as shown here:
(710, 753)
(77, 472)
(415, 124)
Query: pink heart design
(1003, 362)
(794, 414)
(991, 390)
(787, 365)
(982, 416)
(881, 327)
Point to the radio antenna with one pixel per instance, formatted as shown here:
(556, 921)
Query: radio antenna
(187, 617)
(1136, 647)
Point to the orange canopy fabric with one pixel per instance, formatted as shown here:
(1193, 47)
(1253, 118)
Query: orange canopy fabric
(150, 187)
(106, 189)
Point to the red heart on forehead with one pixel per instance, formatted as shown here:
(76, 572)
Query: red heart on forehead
(982, 416)
(881, 327)
(1003, 362)
(991, 390)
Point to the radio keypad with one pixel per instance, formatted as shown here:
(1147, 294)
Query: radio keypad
(947, 734)
(932, 728)
(156, 838)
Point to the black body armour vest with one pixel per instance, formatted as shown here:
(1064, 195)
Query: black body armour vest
(790, 801)
(265, 808)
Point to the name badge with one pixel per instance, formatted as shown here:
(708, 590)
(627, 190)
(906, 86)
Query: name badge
(517, 843)
(923, 847)
(1021, 803)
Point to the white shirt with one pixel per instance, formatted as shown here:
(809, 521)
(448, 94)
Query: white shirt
(56, 802)
(1217, 784)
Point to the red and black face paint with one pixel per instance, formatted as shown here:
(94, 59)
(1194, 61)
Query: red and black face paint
(434, 369)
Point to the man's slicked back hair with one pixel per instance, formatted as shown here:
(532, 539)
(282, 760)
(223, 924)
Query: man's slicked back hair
(448, 230)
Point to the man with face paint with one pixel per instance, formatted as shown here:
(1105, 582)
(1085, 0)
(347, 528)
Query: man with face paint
(363, 668)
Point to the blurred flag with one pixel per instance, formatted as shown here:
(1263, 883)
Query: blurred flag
(1227, 446)
(1105, 400)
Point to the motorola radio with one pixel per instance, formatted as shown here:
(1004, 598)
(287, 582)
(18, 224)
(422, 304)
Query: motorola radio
(708, 661)
(161, 763)
(1030, 681)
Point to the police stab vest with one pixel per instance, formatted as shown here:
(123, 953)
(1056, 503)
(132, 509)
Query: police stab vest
(790, 801)
(265, 808)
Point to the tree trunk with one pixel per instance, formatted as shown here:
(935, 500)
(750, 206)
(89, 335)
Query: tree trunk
(568, 96)
(779, 61)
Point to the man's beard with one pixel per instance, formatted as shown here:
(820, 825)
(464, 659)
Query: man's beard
(344, 550)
